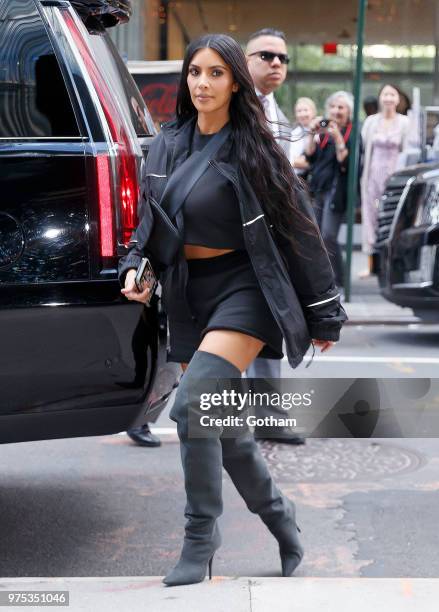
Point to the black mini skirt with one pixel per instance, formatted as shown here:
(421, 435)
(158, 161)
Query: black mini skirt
(222, 293)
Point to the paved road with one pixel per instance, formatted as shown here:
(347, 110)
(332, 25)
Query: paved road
(105, 507)
(382, 351)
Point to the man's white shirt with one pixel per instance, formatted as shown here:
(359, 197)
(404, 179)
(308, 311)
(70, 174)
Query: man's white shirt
(271, 112)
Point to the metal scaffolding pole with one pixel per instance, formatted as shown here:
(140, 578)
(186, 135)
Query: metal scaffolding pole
(354, 149)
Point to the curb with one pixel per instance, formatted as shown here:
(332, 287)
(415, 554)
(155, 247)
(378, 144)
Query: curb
(243, 594)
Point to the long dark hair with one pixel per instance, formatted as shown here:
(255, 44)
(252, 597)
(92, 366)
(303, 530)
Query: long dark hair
(260, 157)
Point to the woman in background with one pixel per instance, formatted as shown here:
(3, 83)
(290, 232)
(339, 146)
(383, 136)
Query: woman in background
(327, 150)
(305, 111)
(384, 136)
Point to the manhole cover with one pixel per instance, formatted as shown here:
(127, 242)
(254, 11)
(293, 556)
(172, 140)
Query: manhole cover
(333, 460)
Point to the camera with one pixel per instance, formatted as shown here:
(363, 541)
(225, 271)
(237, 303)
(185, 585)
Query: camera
(323, 123)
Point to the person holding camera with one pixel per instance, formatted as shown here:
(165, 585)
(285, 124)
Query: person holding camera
(250, 269)
(327, 151)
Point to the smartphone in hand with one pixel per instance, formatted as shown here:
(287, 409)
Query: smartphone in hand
(146, 278)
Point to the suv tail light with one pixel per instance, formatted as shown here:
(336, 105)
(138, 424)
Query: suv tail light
(103, 173)
(117, 173)
(129, 194)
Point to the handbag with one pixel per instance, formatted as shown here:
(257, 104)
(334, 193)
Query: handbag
(164, 239)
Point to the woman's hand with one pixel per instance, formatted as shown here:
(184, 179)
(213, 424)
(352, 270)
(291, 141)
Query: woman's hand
(334, 130)
(314, 126)
(325, 345)
(311, 137)
(130, 290)
(341, 150)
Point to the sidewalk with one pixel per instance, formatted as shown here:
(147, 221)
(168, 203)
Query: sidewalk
(132, 594)
(367, 306)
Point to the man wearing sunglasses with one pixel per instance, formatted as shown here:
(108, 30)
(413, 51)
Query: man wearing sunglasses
(267, 60)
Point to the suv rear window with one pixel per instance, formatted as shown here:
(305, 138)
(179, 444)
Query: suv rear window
(121, 83)
(34, 102)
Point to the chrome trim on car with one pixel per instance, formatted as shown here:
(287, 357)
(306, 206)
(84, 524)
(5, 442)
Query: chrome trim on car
(421, 285)
(38, 138)
(85, 75)
(400, 205)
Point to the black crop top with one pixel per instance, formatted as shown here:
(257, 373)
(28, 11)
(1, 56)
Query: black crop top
(211, 210)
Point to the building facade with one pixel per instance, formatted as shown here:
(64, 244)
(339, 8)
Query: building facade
(401, 37)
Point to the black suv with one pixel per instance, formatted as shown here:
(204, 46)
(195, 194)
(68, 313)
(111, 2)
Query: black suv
(408, 240)
(75, 357)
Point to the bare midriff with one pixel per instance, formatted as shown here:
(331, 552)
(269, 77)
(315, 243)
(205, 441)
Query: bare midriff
(193, 251)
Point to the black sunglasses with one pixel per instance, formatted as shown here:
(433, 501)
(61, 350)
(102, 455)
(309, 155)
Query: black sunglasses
(268, 56)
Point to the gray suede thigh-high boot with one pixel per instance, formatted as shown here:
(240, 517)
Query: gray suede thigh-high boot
(249, 472)
(201, 457)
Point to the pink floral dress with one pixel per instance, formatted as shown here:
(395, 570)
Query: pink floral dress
(386, 146)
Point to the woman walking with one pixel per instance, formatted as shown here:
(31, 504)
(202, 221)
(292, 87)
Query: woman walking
(327, 151)
(246, 236)
(384, 136)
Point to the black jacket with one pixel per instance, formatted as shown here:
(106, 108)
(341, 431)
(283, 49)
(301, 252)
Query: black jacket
(299, 289)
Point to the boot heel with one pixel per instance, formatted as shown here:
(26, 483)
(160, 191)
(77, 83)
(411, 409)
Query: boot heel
(292, 555)
(210, 567)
